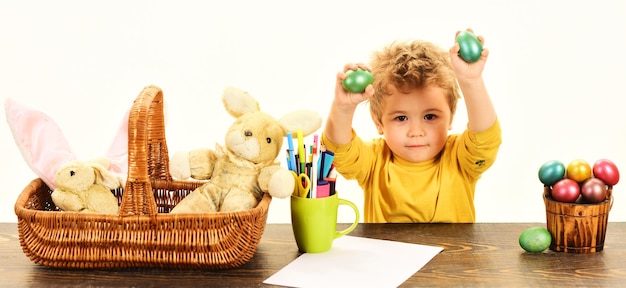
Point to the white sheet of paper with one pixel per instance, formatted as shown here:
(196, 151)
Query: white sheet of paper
(356, 262)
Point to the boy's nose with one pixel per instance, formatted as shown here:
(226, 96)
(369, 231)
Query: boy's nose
(416, 130)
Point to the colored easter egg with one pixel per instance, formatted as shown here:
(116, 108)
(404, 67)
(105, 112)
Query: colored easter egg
(357, 80)
(578, 170)
(606, 171)
(535, 239)
(470, 46)
(551, 172)
(566, 190)
(593, 190)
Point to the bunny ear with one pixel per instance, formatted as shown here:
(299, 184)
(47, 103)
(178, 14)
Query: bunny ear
(39, 139)
(105, 177)
(118, 151)
(238, 102)
(306, 120)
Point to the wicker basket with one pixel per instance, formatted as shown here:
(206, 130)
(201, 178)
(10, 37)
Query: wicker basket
(577, 228)
(144, 234)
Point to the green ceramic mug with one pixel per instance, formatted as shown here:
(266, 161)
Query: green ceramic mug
(314, 222)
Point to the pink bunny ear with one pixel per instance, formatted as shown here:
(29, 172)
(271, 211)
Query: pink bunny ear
(118, 151)
(39, 139)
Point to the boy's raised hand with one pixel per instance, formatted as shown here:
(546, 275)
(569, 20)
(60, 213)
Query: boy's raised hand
(480, 111)
(348, 100)
(467, 71)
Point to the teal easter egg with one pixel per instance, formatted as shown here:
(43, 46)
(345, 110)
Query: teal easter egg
(470, 46)
(551, 172)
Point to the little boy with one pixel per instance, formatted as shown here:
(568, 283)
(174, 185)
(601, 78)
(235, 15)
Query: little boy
(416, 172)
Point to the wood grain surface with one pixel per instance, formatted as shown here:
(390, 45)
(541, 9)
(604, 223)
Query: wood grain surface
(474, 255)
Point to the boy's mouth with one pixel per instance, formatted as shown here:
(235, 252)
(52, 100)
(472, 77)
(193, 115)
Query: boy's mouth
(417, 146)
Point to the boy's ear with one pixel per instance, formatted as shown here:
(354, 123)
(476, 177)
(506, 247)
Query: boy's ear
(379, 126)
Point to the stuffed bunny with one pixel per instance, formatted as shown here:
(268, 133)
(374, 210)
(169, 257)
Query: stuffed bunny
(246, 167)
(85, 186)
(77, 186)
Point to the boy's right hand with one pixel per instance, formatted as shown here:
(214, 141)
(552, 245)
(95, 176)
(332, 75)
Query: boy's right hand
(348, 100)
(339, 123)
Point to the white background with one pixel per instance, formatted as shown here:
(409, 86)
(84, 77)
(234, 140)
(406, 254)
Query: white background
(555, 73)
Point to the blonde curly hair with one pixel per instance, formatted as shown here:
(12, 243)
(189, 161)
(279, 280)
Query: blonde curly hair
(408, 65)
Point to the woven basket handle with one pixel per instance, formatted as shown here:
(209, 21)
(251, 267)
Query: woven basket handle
(147, 153)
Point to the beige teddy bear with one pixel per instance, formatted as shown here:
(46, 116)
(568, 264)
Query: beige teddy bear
(85, 186)
(239, 173)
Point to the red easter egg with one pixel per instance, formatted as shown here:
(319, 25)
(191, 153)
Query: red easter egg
(566, 190)
(606, 171)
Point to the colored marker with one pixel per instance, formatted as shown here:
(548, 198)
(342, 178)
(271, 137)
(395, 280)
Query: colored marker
(323, 189)
(326, 162)
(332, 179)
(292, 158)
(301, 151)
(288, 159)
(314, 171)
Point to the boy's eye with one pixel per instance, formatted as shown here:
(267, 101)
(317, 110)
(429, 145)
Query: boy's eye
(430, 117)
(401, 118)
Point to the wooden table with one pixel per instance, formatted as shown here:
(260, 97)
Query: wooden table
(481, 255)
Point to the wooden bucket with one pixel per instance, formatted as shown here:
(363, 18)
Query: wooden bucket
(577, 227)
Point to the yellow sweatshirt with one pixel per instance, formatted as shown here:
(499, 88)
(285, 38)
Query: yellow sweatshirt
(438, 190)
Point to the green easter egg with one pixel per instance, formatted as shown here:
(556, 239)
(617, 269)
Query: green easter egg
(357, 80)
(535, 239)
(470, 46)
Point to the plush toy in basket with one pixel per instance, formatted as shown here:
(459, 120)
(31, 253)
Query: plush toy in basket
(246, 167)
(144, 233)
(80, 186)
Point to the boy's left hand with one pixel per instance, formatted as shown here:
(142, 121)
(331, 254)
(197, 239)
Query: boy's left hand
(467, 71)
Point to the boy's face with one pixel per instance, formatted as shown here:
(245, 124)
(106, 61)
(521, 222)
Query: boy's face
(415, 124)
